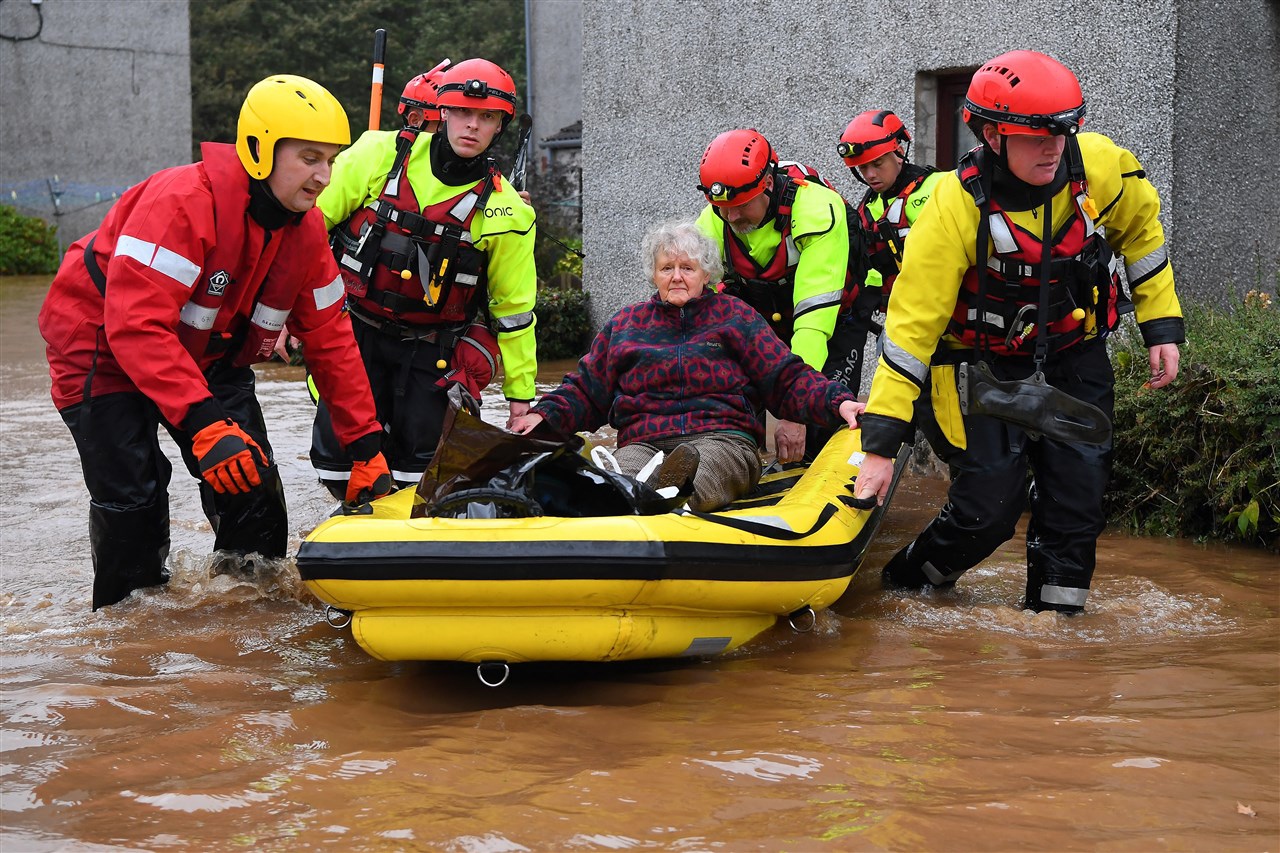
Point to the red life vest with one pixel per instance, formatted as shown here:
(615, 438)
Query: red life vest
(883, 237)
(380, 243)
(1083, 274)
(769, 288)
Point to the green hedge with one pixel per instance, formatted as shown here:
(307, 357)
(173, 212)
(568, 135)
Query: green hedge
(27, 245)
(564, 323)
(1201, 457)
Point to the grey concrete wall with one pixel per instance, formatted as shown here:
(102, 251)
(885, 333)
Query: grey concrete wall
(663, 77)
(101, 97)
(555, 35)
(1224, 204)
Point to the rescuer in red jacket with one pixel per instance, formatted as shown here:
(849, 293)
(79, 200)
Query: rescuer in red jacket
(155, 318)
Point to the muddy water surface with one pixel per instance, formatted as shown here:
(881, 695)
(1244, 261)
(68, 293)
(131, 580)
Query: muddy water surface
(223, 714)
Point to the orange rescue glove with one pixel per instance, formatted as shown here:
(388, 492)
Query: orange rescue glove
(228, 457)
(369, 481)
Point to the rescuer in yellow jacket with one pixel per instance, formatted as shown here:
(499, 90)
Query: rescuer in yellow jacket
(973, 292)
(436, 251)
(783, 234)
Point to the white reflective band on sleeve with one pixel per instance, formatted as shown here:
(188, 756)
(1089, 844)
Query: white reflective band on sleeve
(463, 208)
(175, 266)
(1070, 596)
(160, 259)
(822, 300)
(904, 360)
(513, 323)
(329, 294)
(1144, 267)
(1001, 236)
(198, 317)
(488, 356)
(271, 319)
(131, 247)
(465, 278)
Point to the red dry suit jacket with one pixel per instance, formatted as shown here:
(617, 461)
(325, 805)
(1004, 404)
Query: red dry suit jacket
(177, 240)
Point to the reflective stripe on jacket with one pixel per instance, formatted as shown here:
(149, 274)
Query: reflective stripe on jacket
(180, 252)
(944, 250)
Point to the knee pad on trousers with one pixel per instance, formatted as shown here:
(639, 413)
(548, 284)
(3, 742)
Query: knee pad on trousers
(129, 549)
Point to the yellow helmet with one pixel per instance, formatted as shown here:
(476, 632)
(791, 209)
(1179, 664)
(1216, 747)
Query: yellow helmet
(285, 106)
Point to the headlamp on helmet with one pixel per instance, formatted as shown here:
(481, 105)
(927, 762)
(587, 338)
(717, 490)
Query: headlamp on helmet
(734, 167)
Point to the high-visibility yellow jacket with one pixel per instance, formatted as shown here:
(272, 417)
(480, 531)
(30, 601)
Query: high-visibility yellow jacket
(910, 212)
(820, 234)
(943, 247)
(504, 232)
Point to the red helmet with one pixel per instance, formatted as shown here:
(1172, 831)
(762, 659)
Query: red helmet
(420, 93)
(734, 167)
(478, 84)
(1026, 93)
(870, 135)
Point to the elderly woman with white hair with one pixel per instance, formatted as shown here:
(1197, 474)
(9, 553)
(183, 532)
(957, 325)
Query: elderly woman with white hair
(689, 372)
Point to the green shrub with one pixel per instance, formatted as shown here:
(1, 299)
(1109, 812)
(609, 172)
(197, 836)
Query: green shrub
(1201, 457)
(27, 245)
(564, 323)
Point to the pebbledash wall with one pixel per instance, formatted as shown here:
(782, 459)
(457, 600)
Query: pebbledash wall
(1192, 87)
(95, 95)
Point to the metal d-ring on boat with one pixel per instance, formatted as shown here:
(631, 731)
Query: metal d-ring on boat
(493, 673)
(802, 621)
(335, 617)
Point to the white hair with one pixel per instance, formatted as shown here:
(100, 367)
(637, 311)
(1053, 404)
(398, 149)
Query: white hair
(680, 237)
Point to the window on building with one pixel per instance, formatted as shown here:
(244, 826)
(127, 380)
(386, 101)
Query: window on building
(941, 135)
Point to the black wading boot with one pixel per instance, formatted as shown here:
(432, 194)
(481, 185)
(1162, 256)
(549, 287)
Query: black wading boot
(129, 549)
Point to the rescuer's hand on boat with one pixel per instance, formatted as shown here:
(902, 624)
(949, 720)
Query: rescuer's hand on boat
(524, 423)
(518, 410)
(874, 477)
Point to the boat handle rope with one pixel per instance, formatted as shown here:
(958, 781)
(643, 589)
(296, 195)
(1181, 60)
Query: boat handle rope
(336, 618)
(802, 621)
(493, 673)
(766, 531)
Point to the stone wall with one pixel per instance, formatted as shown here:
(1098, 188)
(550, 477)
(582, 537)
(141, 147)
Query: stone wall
(97, 94)
(1190, 87)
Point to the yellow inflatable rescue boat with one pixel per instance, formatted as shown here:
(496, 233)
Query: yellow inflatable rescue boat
(622, 587)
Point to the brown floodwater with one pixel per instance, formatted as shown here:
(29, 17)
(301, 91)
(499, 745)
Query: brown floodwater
(219, 713)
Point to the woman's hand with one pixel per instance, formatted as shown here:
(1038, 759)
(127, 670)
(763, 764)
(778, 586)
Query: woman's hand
(525, 423)
(849, 410)
(788, 441)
